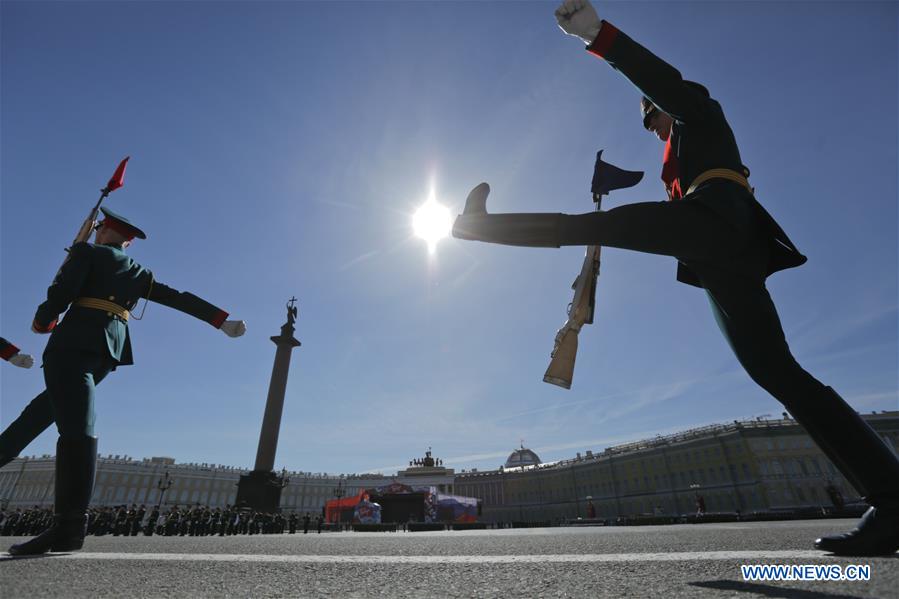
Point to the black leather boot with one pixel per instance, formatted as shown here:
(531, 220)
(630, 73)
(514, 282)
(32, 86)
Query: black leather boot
(877, 533)
(76, 462)
(526, 229)
(866, 461)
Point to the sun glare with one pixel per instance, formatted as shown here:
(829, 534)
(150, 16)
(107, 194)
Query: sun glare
(432, 222)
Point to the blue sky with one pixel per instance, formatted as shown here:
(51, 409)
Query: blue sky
(281, 148)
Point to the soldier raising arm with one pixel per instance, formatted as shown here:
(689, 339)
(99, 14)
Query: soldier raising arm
(99, 285)
(726, 243)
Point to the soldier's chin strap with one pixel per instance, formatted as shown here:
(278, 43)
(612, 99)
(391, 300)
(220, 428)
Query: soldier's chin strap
(146, 300)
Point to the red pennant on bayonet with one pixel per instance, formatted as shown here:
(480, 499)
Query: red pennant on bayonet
(118, 177)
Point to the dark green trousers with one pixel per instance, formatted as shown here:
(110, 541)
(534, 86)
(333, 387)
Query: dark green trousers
(71, 378)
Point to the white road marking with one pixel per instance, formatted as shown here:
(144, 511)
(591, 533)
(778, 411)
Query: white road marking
(744, 556)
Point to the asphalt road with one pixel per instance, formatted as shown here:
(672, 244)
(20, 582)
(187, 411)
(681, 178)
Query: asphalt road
(648, 561)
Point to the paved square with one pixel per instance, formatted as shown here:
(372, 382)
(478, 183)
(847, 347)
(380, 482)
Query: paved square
(647, 561)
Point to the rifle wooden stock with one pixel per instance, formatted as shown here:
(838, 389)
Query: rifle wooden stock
(87, 227)
(561, 368)
(606, 177)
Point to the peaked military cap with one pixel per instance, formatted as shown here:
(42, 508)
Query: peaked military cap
(647, 108)
(121, 224)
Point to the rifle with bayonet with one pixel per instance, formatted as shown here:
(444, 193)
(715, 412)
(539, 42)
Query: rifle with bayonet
(606, 178)
(117, 180)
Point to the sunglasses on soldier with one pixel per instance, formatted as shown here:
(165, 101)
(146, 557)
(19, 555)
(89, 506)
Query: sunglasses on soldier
(650, 112)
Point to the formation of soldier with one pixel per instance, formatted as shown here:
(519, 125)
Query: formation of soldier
(134, 520)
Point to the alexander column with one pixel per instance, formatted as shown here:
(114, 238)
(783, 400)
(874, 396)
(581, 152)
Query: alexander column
(261, 488)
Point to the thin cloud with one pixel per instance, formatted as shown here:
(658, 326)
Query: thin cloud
(358, 259)
(829, 331)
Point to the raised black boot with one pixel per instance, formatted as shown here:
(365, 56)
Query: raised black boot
(76, 461)
(525, 229)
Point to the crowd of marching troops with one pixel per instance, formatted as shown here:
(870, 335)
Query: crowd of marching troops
(196, 520)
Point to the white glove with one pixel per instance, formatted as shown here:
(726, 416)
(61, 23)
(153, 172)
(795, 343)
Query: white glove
(578, 18)
(22, 360)
(234, 328)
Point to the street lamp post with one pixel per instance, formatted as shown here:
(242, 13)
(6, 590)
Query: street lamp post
(339, 492)
(283, 482)
(163, 484)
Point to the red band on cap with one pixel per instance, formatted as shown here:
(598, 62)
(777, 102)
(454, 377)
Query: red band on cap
(119, 227)
(602, 43)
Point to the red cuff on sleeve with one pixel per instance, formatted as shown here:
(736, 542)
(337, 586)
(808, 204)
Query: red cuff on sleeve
(9, 351)
(43, 329)
(218, 319)
(602, 43)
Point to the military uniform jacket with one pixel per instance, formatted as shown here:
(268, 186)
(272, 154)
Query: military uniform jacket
(106, 272)
(700, 139)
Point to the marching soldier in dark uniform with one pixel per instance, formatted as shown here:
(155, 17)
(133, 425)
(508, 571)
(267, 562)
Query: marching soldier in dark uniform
(138, 520)
(11, 354)
(151, 523)
(726, 243)
(99, 284)
(225, 521)
(122, 520)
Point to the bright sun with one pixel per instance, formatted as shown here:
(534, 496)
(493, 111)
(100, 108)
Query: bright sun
(432, 222)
